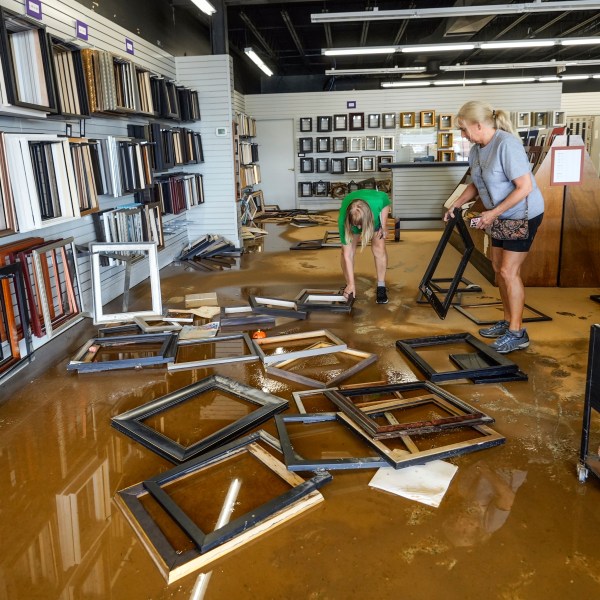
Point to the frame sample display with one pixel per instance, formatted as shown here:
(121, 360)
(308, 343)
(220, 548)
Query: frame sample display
(323, 124)
(322, 165)
(373, 120)
(217, 420)
(307, 165)
(468, 311)
(393, 410)
(407, 119)
(148, 249)
(370, 143)
(299, 345)
(323, 144)
(276, 307)
(427, 118)
(305, 145)
(440, 305)
(356, 144)
(313, 426)
(124, 352)
(157, 324)
(320, 188)
(445, 139)
(383, 160)
(368, 163)
(386, 143)
(306, 124)
(340, 144)
(327, 300)
(487, 362)
(336, 166)
(352, 164)
(357, 121)
(445, 121)
(389, 121)
(203, 542)
(340, 122)
(219, 350)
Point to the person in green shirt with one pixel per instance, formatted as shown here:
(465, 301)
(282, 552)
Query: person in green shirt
(363, 218)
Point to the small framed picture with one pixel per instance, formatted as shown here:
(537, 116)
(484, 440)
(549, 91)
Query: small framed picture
(340, 144)
(539, 119)
(305, 189)
(445, 155)
(323, 144)
(445, 121)
(307, 165)
(356, 144)
(340, 122)
(386, 143)
(427, 118)
(323, 124)
(389, 120)
(305, 145)
(322, 165)
(407, 119)
(336, 166)
(305, 124)
(383, 160)
(523, 119)
(357, 121)
(445, 139)
(352, 164)
(373, 120)
(321, 188)
(368, 163)
(370, 143)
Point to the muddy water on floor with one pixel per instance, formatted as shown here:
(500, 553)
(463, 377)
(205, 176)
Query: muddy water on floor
(515, 523)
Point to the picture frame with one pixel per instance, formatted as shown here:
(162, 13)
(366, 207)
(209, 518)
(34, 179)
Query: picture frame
(305, 145)
(388, 120)
(305, 189)
(323, 144)
(356, 144)
(386, 143)
(370, 144)
(340, 144)
(446, 156)
(324, 300)
(539, 118)
(407, 119)
(368, 163)
(276, 307)
(247, 354)
(373, 121)
(468, 311)
(317, 400)
(135, 423)
(174, 564)
(356, 121)
(336, 166)
(158, 324)
(243, 316)
(306, 124)
(307, 165)
(427, 118)
(340, 122)
(383, 160)
(352, 164)
(323, 124)
(445, 139)
(445, 121)
(322, 165)
(320, 189)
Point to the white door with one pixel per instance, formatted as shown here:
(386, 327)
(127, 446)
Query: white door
(275, 140)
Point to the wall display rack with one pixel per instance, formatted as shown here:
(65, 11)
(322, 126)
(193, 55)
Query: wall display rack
(71, 91)
(8, 216)
(88, 169)
(129, 163)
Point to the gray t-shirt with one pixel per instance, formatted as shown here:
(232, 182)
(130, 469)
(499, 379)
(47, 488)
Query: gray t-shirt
(495, 166)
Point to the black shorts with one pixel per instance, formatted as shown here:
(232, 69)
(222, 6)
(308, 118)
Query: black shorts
(520, 245)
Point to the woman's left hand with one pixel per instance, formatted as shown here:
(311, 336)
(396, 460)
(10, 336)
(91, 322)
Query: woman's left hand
(486, 219)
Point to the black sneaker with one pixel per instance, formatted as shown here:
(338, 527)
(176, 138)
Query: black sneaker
(382, 295)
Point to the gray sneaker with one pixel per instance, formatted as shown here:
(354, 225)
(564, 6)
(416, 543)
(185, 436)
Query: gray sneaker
(494, 331)
(511, 341)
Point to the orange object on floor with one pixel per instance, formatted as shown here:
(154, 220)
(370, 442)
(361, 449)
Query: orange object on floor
(259, 334)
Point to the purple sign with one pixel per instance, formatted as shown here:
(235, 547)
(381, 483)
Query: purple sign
(34, 8)
(351, 104)
(129, 46)
(81, 30)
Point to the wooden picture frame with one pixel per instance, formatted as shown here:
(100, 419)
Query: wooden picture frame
(446, 156)
(325, 405)
(445, 139)
(408, 119)
(295, 462)
(378, 409)
(306, 337)
(442, 305)
(306, 124)
(340, 144)
(174, 564)
(386, 143)
(368, 163)
(155, 349)
(370, 144)
(445, 121)
(340, 122)
(326, 300)
(356, 121)
(134, 423)
(158, 324)
(373, 121)
(487, 363)
(276, 307)
(539, 118)
(427, 118)
(243, 338)
(388, 120)
(323, 124)
(383, 160)
(242, 317)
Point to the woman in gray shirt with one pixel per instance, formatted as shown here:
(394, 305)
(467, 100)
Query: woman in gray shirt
(502, 178)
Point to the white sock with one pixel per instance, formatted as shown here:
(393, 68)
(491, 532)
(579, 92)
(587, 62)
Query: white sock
(381, 284)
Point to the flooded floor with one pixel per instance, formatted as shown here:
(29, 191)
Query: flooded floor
(514, 524)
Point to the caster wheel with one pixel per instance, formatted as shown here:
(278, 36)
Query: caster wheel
(582, 473)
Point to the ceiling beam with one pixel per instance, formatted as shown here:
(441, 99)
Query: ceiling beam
(294, 35)
(257, 34)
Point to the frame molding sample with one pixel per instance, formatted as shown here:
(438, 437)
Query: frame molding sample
(441, 307)
(365, 413)
(299, 396)
(463, 309)
(268, 359)
(211, 362)
(243, 316)
(83, 360)
(131, 423)
(324, 300)
(496, 364)
(174, 564)
(147, 326)
(295, 462)
(276, 307)
(97, 248)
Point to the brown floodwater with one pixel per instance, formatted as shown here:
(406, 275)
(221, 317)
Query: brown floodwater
(515, 522)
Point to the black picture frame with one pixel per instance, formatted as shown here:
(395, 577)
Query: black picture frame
(306, 124)
(307, 165)
(373, 121)
(322, 165)
(323, 124)
(305, 145)
(131, 423)
(441, 306)
(295, 462)
(383, 160)
(372, 416)
(497, 364)
(464, 310)
(323, 144)
(336, 166)
(356, 121)
(275, 307)
(305, 189)
(340, 144)
(340, 122)
(308, 299)
(320, 189)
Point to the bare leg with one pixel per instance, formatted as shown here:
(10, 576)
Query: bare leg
(380, 255)
(507, 266)
(347, 262)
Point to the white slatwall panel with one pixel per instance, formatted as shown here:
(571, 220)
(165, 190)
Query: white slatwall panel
(581, 104)
(239, 102)
(423, 192)
(211, 76)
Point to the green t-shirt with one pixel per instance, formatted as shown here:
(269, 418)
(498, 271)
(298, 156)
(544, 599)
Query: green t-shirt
(376, 200)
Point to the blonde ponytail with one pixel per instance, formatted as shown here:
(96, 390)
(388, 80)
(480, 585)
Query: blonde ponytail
(476, 111)
(359, 214)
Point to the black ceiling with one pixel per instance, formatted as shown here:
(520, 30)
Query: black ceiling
(270, 28)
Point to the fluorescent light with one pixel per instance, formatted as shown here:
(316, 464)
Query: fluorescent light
(205, 6)
(551, 78)
(356, 51)
(439, 48)
(458, 82)
(510, 80)
(573, 77)
(392, 84)
(375, 71)
(580, 41)
(596, 76)
(258, 61)
(517, 44)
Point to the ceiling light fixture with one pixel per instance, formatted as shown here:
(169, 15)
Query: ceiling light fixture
(458, 82)
(580, 41)
(439, 47)
(550, 78)
(454, 11)
(524, 65)
(394, 84)
(510, 80)
(517, 44)
(205, 6)
(374, 71)
(573, 77)
(353, 51)
(492, 81)
(258, 61)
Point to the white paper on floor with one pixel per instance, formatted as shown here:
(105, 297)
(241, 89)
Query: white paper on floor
(424, 483)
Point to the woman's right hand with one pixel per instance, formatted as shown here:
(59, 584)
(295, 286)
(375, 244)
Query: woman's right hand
(349, 290)
(450, 213)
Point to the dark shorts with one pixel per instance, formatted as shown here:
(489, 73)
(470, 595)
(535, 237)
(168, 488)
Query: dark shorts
(520, 245)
